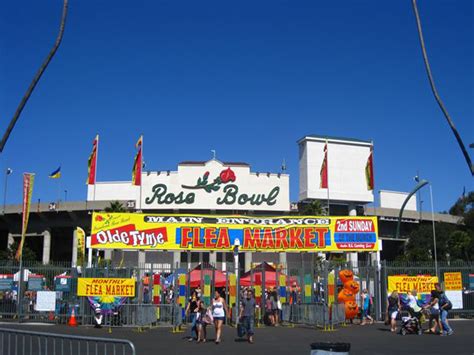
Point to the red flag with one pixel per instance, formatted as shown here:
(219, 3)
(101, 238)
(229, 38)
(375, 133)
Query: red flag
(137, 164)
(28, 180)
(92, 163)
(369, 170)
(324, 169)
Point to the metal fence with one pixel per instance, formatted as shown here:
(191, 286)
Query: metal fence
(305, 283)
(428, 268)
(13, 341)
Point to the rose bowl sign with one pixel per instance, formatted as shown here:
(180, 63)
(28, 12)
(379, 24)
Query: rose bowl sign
(216, 186)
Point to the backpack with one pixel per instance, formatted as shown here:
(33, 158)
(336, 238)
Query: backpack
(445, 303)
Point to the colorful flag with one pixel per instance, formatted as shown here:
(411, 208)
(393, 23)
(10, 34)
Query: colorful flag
(56, 174)
(92, 163)
(80, 242)
(137, 164)
(369, 170)
(324, 169)
(28, 180)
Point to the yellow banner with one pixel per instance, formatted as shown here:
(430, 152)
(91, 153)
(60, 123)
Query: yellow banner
(28, 181)
(420, 283)
(81, 241)
(452, 281)
(105, 287)
(220, 233)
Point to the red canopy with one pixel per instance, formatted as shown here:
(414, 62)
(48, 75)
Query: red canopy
(261, 271)
(196, 275)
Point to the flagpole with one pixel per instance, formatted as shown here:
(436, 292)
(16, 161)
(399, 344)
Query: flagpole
(96, 161)
(59, 191)
(141, 166)
(327, 173)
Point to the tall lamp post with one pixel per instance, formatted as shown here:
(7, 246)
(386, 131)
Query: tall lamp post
(7, 173)
(434, 231)
(237, 277)
(397, 233)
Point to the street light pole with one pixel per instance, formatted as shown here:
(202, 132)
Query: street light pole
(7, 172)
(434, 231)
(237, 277)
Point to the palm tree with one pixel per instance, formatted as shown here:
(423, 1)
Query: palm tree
(37, 77)
(115, 206)
(312, 208)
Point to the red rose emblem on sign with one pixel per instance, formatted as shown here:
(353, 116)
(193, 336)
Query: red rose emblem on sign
(99, 218)
(227, 175)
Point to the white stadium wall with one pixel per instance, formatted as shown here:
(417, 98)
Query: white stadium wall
(347, 159)
(395, 199)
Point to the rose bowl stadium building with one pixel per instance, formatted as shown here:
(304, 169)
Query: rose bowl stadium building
(211, 205)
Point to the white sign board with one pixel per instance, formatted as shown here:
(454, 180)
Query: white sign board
(456, 298)
(210, 185)
(45, 301)
(346, 169)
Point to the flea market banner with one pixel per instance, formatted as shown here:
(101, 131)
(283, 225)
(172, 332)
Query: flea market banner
(100, 287)
(135, 231)
(403, 283)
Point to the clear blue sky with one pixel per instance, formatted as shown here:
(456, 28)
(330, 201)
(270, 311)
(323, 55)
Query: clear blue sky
(246, 78)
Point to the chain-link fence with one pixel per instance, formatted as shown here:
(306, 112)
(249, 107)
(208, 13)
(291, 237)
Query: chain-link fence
(306, 292)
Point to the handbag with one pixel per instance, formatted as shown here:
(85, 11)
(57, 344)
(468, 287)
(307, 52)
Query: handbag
(240, 330)
(208, 318)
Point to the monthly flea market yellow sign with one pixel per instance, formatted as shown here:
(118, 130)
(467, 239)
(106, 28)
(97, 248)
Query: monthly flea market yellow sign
(404, 283)
(93, 287)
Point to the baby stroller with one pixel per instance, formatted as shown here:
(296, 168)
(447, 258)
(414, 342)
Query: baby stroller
(411, 324)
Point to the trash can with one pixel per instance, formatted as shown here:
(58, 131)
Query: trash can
(330, 348)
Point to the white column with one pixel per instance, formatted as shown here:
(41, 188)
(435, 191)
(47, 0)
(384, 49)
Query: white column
(282, 260)
(213, 258)
(248, 261)
(107, 254)
(352, 257)
(141, 259)
(11, 240)
(89, 251)
(46, 246)
(176, 259)
(74, 248)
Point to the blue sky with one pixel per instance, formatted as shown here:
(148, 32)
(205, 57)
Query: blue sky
(247, 79)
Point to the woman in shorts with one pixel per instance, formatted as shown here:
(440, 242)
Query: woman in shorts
(219, 310)
(201, 321)
(393, 307)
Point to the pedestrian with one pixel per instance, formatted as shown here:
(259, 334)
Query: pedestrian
(191, 313)
(98, 318)
(269, 319)
(146, 288)
(202, 321)
(170, 297)
(199, 292)
(219, 311)
(393, 307)
(445, 305)
(275, 309)
(247, 315)
(366, 304)
(433, 305)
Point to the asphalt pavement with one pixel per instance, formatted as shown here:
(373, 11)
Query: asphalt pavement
(369, 339)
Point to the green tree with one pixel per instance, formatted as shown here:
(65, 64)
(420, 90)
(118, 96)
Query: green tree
(312, 208)
(115, 206)
(10, 253)
(453, 241)
(459, 245)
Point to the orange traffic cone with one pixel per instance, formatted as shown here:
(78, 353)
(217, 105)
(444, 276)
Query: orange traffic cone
(72, 320)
